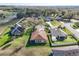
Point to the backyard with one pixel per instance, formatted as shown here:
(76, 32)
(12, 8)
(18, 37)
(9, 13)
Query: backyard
(69, 39)
(67, 31)
(55, 23)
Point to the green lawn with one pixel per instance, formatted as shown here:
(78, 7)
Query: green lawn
(75, 26)
(69, 39)
(67, 31)
(19, 41)
(55, 23)
(4, 38)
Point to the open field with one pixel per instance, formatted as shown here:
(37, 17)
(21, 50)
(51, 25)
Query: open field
(2, 28)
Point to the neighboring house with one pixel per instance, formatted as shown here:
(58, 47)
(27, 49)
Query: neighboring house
(17, 30)
(58, 33)
(59, 18)
(66, 51)
(48, 18)
(38, 36)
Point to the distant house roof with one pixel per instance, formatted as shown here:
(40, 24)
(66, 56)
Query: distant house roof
(39, 34)
(59, 18)
(17, 29)
(48, 18)
(58, 32)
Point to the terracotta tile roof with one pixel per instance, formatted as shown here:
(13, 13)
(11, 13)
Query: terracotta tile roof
(39, 34)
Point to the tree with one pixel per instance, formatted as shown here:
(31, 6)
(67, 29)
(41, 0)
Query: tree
(20, 15)
(77, 24)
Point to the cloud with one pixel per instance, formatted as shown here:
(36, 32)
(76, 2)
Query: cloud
(39, 2)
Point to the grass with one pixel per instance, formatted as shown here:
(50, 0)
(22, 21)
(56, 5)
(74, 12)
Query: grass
(69, 39)
(55, 23)
(35, 51)
(6, 30)
(19, 41)
(67, 31)
(75, 26)
(4, 38)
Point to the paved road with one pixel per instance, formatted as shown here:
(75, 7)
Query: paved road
(75, 33)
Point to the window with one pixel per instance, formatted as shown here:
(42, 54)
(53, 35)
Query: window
(39, 41)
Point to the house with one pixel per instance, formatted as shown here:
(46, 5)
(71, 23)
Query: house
(59, 18)
(65, 51)
(48, 18)
(58, 33)
(17, 30)
(38, 36)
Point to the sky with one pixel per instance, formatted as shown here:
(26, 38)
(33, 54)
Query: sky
(40, 2)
